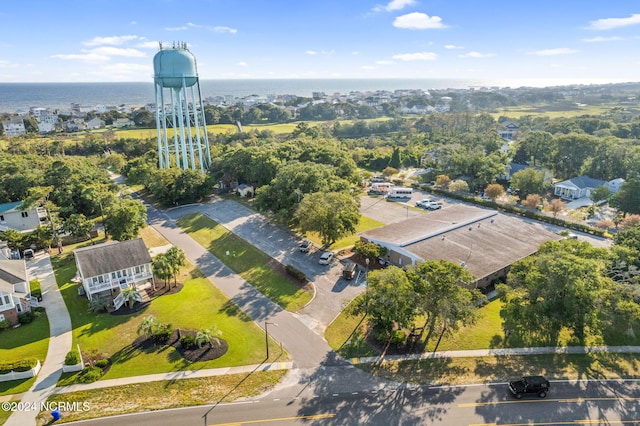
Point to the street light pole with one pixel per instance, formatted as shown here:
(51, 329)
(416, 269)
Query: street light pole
(266, 336)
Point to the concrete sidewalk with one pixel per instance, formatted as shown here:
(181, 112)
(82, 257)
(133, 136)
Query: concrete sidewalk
(59, 343)
(500, 352)
(176, 375)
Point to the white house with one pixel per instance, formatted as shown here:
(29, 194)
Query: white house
(15, 293)
(577, 187)
(94, 123)
(12, 217)
(106, 269)
(123, 122)
(14, 127)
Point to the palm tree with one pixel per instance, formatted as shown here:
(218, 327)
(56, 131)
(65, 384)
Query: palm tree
(177, 260)
(162, 268)
(148, 325)
(131, 294)
(209, 335)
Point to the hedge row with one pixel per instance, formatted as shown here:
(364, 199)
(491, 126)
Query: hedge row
(519, 211)
(18, 366)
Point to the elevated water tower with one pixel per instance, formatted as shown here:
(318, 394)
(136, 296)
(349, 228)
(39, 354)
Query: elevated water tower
(182, 130)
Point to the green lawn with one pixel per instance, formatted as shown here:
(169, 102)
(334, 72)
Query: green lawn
(198, 305)
(246, 260)
(26, 341)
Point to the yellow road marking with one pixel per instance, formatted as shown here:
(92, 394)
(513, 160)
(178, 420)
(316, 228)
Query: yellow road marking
(574, 422)
(282, 419)
(574, 400)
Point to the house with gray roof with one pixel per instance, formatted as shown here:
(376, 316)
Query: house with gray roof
(484, 241)
(106, 269)
(15, 292)
(581, 186)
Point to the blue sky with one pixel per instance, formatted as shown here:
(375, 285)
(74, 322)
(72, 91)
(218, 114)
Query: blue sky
(114, 40)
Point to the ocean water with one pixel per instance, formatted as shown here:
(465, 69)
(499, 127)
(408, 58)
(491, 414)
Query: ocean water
(22, 96)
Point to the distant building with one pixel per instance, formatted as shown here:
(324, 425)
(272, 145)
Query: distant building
(94, 123)
(14, 127)
(123, 122)
(577, 187)
(12, 217)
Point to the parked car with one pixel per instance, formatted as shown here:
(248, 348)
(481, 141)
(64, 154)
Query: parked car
(349, 270)
(529, 385)
(326, 258)
(305, 246)
(28, 254)
(423, 202)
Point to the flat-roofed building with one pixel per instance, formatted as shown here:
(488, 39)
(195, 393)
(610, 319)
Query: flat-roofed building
(484, 241)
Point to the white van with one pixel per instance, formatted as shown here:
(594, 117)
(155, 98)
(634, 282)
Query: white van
(400, 193)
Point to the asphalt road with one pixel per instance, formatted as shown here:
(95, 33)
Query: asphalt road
(568, 403)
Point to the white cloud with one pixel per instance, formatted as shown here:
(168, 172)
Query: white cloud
(225, 30)
(452, 46)
(114, 40)
(355, 53)
(477, 55)
(611, 23)
(368, 67)
(385, 62)
(418, 21)
(600, 39)
(418, 56)
(148, 45)
(176, 28)
(553, 52)
(7, 64)
(321, 52)
(117, 51)
(394, 5)
(85, 57)
(242, 64)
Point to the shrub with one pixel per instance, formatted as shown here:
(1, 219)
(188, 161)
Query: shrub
(90, 375)
(98, 305)
(72, 358)
(162, 334)
(4, 324)
(18, 366)
(25, 318)
(102, 363)
(40, 309)
(398, 337)
(188, 342)
(295, 273)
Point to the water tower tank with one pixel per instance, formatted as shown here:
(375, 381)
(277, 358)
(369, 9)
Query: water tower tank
(170, 66)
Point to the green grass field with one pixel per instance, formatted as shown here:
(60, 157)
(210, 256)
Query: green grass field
(24, 342)
(246, 260)
(198, 305)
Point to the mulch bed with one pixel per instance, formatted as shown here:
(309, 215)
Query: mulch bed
(126, 310)
(205, 353)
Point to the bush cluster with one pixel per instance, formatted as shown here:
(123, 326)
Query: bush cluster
(18, 366)
(26, 317)
(4, 324)
(162, 334)
(90, 375)
(72, 358)
(102, 363)
(296, 273)
(188, 342)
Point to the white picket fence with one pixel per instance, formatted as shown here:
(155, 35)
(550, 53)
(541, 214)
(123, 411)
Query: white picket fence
(17, 375)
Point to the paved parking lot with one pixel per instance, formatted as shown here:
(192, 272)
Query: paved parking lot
(388, 212)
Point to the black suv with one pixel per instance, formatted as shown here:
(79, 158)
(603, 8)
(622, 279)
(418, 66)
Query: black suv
(529, 384)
